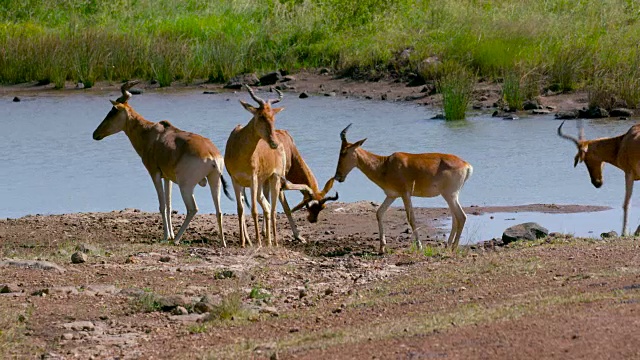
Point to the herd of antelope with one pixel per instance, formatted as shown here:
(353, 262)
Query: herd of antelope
(266, 160)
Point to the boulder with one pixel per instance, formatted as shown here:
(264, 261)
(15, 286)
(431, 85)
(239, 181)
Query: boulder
(303, 95)
(530, 105)
(610, 234)
(525, 231)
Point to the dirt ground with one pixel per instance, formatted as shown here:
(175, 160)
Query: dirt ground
(332, 297)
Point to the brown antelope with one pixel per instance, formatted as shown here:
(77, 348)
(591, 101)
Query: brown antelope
(622, 151)
(171, 154)
(255, 158)
(298, 173)
(405, 175)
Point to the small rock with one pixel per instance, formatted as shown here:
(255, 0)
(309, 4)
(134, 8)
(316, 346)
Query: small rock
(16, 99)
(271, 310)
(325, 71)
(209, 92)
(328, 291)
(567, 115)
(610, 234)
(287, 78)
(80, 326)
(67, 336)
(540, 112)
(78, 257)
(530, 105)
(303, 95)
(302, 293)
(80, 85)
(438, 117)
(525, 231)
(8, 288)
(136, 91)
(330, 93)
(168, 303)
(383, 96)
(179, 310)
(165, 259)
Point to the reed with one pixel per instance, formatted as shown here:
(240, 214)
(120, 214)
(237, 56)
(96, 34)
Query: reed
(456, 87)
(88, 41)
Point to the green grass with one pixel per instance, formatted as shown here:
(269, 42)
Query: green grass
(456, 87)
(92, 40)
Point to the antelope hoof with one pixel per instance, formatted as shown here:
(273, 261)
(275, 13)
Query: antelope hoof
(383, 249)
(301, 239)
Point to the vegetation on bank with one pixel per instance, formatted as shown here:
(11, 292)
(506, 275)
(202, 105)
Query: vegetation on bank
(556, 45)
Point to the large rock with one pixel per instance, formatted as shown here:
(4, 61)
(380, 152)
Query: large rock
(621, 112)
(593, 113)
(530, 105)
(567, 115)
(237, 81)
(270, 78)
(526, 231)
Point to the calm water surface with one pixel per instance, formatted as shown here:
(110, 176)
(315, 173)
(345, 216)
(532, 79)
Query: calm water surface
(50, 163)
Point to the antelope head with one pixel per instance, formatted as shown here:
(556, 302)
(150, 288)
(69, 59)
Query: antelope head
(116, 118)
(590, 158)
(348, 158)
(314, 203)
(264, 117)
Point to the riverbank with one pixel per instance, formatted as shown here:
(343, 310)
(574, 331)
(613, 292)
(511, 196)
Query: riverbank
(322, 82)
(133, 297)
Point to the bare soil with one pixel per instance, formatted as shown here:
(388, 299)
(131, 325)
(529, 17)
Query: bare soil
(332, 297)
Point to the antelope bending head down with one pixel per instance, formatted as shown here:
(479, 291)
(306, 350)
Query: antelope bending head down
(592, 159)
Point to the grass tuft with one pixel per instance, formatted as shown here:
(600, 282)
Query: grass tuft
(456, 87)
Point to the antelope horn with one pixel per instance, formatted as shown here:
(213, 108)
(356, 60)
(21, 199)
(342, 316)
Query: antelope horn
(329, 198)
(280, 96)
(126, 95)
(327, 187)
(568, 137)
(253, 95)
(343, 134)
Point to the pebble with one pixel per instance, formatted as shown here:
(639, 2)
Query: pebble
(78, 257)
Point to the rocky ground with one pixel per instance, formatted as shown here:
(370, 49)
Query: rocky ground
(100, 285)
(326, 83)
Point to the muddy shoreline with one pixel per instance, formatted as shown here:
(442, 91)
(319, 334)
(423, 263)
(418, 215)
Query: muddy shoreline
(315, 83)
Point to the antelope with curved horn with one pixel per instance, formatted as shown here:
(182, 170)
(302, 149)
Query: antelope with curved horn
(405, 175)
(622, 151)
(254, 159)
(300, 177)
(171, 154)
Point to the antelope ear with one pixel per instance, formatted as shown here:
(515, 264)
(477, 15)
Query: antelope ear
(577, 159)
(277, 110)
(360, 142)
(249, 108)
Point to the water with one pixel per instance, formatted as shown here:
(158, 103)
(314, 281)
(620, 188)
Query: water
(50, 163)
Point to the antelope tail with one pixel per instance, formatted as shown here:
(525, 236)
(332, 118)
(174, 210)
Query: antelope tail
(225, 188)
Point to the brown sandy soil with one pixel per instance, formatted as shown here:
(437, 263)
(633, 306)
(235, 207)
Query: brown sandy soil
(486, 94)
(332, 297)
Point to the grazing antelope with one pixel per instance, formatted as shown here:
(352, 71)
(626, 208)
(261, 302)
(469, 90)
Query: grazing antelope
(298, 173)
(255, 159)
(622, 151)
(171, 154)
(405, 175)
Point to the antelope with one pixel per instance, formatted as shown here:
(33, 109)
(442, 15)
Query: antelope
(622, 151)
(169, 154)
(298, 174)
(405, 175)
(256, 159)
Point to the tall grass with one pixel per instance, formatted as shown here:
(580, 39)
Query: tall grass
(88, 41)
(456, 87)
